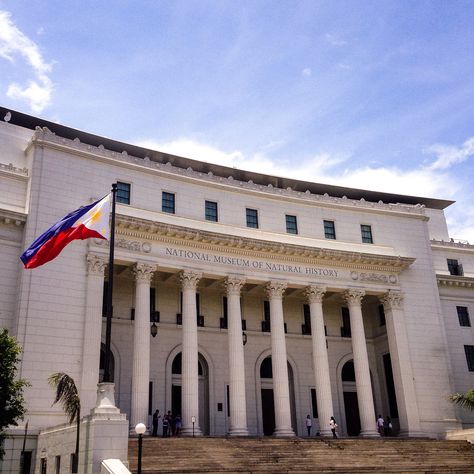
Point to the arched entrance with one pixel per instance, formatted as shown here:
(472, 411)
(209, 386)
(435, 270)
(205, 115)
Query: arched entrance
(203, 377)
(268, 406)
(351, 404)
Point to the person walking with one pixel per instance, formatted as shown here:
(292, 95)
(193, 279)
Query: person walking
(387, 427)
(156, 417)
(333, 426)
(309, 424)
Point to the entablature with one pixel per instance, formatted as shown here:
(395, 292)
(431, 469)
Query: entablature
(455, 281)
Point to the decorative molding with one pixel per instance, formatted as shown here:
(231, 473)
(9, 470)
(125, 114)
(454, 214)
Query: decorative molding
(12, 218)
(374, 277)
(133, 245)
(143, 272)
(454, 280)
(392, 299)
(44, 137)
(315, 293)
(11, 171)
(275, 289)
(136, 228)
(189, 279)
(95, 264)
(233, 285)
(353, 296)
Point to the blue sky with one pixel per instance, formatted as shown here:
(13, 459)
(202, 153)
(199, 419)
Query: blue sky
(368, 94)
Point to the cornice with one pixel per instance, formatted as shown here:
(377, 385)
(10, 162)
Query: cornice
(10, 171)
(452, 245)
(12, 218)
(455, 280)
(181, 236)
(44, 137)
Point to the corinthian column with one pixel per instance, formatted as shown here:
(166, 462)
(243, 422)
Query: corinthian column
(189, 370)
(141, 344)
(315, 295)
(238, 406)
(353, 298)
(281, 390)
(401, 366)
(92, 331)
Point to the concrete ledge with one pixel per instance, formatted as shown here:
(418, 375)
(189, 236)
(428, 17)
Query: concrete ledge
(468, 435)
(113, 466)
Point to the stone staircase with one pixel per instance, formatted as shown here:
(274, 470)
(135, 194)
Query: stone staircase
(271, 455)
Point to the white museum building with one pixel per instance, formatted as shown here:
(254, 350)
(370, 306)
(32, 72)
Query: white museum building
(241, 300)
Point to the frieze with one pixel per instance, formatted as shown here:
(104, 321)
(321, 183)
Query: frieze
(374, 277)
(9, 168)
(133, 245)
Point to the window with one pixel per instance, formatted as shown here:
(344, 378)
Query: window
(252, 218)
(167, 202)
(454, 267)
(211, 211)
(123, 193)
(346, 322)
(381, 315)
(291, 226)
(329, 230)
(57, 464)
(463, 315)
(366, 231)
(314, 403)
(469, 350)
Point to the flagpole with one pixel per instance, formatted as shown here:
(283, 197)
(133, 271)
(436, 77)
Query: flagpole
(108, 330)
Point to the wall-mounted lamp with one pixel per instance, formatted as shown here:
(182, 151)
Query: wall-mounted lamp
(244, 338)
(154, 329)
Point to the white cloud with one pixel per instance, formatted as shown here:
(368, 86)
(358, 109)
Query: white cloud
(449, 155)
(331, 39)
(14, 43)
(306, 72)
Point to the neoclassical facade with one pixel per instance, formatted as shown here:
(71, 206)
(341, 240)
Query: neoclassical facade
(242, 302)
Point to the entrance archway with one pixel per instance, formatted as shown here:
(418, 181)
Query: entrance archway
(203, 377)
(351, 403)
(268, 406)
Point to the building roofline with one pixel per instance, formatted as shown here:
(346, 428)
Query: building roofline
(31, 122)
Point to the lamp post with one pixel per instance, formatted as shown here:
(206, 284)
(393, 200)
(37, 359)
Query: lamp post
(140, 429)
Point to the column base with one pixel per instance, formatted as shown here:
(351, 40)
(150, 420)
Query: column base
(238, 432)
(284, 433)
(325, 433)
(411, 434)
(188, 431)
(369, 434)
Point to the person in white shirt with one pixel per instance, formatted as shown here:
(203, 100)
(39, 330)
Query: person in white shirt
(333, 426)
(380, 425)
(309, 424)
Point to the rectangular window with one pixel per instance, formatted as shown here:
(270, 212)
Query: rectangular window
(252, 218)
(291, 226)
(123, 193)
(366, 231)
(469, 350)
(211, 211)
(57, 464)
(306, 326)
(454, 267)
(167, 202)
(346, 322)
(150, 398)
(314, 403)
(223, 320)
(463, 315)
(266, 317)
(329, 230)
(381, 315)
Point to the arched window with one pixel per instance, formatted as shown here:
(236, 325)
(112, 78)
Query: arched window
(348, 374)
(266, 371)
(177, 362)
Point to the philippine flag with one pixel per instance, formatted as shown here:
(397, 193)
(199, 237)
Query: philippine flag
(83, 223)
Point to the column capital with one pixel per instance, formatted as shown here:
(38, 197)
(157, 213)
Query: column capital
(143, 271)
(96, 264)
(275, 289)
(353, 296)
(189, 279)
(233, 285)
(392, 299)
(315, 293)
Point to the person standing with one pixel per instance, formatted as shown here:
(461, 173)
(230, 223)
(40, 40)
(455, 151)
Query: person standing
(333, 426)
(387, 427)
(177, 424)
(156, 417)
(380, 424)
(166, 424)
(309, 424)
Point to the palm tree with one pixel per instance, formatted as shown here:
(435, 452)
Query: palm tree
(68, 396)
(465, 400)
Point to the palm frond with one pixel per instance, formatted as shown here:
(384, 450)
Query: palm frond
(465, 400)
(66, 394)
